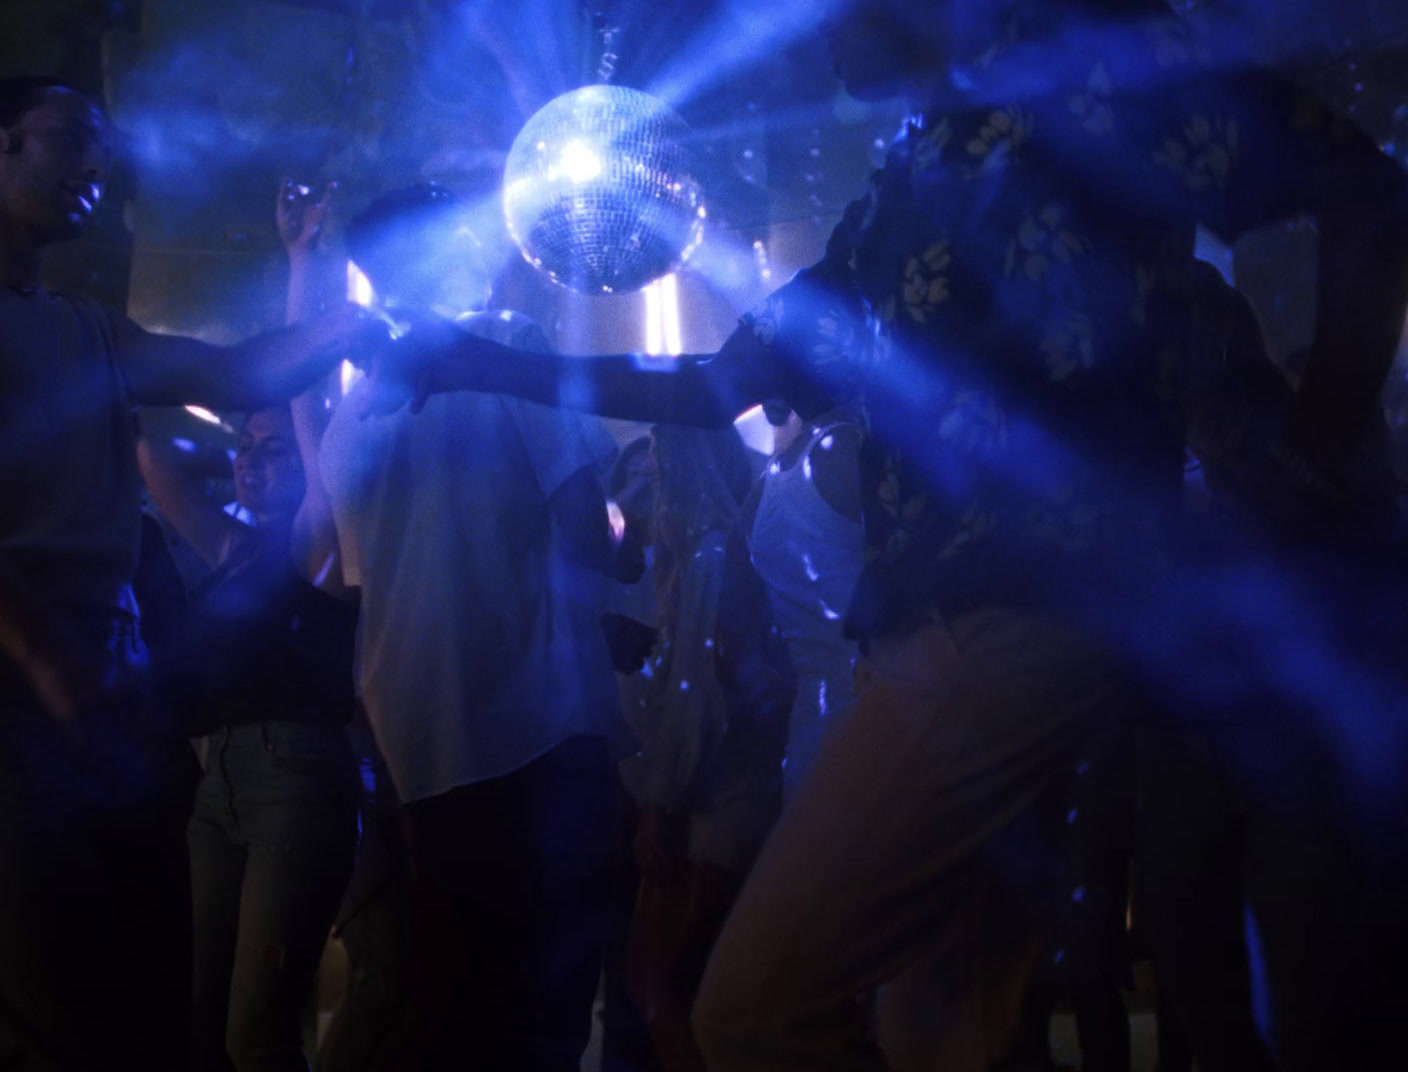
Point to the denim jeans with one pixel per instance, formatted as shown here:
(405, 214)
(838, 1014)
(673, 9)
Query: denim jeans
(272, 841)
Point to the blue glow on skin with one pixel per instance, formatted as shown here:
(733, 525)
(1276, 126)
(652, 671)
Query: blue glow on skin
(655, 362)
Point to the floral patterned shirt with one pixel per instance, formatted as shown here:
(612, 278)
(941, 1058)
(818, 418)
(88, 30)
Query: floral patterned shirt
(1007, 306)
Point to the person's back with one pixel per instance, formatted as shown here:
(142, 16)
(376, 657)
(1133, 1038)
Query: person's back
(444, 523)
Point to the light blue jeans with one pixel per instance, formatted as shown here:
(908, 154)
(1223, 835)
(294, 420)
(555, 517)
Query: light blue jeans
(272, 842)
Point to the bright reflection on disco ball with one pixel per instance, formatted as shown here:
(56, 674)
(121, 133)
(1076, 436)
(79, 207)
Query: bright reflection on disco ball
(599, 192)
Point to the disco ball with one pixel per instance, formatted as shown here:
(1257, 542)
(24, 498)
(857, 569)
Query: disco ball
(599, 192)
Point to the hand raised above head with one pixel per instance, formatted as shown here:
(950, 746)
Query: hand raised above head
(299, 213)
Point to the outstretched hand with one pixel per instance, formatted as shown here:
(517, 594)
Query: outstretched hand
(399, 370)
(347, 330)
(299, 213)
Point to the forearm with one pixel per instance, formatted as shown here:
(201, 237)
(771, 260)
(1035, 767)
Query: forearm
(181, 498)
(169, 370)
(696, 390)
(314, 545)
(274, 367)
(297, 304)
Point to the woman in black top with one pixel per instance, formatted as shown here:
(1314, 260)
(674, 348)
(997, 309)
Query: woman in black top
(262, 670)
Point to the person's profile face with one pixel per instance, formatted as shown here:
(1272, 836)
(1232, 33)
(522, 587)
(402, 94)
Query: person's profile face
(58, 159)
(268, 470)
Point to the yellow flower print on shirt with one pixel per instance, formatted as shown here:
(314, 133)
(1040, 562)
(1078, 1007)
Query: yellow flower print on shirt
(926, 281)
(928, 146)
(1203, 153)
(836, 340)
(1000, 139)
(765, 318)
(972, 422)
(1069, 345)
(1092, 106)
(1041, 239)
(1176, 44)
(975, 523)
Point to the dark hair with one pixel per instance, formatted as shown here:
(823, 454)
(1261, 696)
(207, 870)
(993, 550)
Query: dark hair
(620, 469)
(21, 94)
(280, 408)
(703, 477)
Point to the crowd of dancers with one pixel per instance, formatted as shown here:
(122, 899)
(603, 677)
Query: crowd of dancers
(1062, 625)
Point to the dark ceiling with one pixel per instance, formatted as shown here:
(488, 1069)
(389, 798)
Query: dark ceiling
(218, 98)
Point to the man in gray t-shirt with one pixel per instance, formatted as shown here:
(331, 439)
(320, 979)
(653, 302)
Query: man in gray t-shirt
(93, 957)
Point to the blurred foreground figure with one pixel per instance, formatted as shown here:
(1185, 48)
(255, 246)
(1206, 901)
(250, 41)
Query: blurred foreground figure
(94, 786)
(1008, 310)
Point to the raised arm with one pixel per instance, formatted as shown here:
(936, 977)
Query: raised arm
(299, 213)
(181, 497)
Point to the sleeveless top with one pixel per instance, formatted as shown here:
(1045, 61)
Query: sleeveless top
(261, 644)
(810, 558)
